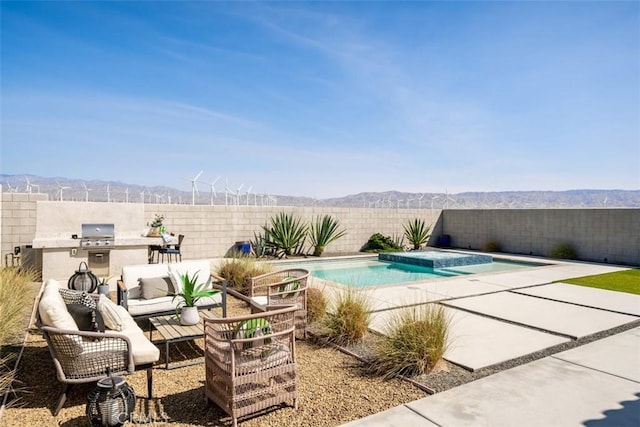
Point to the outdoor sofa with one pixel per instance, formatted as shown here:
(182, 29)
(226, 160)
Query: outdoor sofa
(147, 290)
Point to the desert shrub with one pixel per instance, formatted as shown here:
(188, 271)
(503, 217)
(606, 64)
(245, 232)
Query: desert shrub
(316, 305)
(415, 341)
(239, 270)
(15, 305)
(563, 251)
(285, 235)
(348, 319)
(491, 246)
(380, 243)
(323, 231)
(259, 246)
(416, 232)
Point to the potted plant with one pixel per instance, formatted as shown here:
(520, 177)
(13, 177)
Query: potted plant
(156, 226)
(103, 286)
(191, 293)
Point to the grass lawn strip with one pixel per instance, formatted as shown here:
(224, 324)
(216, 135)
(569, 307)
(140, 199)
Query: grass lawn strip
(621, 281)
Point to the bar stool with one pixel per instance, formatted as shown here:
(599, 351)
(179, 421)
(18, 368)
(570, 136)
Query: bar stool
(175, 250)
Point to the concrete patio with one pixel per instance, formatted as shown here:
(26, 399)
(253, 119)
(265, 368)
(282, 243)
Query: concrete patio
(498, 317)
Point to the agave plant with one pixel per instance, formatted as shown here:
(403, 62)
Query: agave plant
(324, 231)
(285, 235)
(417, 232)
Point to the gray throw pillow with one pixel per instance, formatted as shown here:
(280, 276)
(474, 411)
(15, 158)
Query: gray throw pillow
(155, 287)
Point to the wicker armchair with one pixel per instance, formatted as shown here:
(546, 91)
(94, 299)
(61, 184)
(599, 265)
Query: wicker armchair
(277, 289)
(250, 361)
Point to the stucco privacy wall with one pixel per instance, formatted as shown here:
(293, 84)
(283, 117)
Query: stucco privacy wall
(600, 235)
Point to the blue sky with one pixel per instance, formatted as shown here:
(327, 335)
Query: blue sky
(324, 99)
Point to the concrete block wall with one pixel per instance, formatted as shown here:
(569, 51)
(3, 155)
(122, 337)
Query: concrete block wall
(211, 231)
(599, 235)
(18, 220)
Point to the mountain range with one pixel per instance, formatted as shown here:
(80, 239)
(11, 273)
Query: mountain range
(118, 192)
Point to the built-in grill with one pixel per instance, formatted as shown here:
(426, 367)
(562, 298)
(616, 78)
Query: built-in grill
(100, 236)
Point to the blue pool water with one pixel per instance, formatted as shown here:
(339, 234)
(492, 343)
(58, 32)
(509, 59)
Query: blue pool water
(363, 272)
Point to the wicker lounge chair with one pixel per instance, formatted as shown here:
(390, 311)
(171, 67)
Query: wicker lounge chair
(83, 356)
(274, 290)
(250, 361)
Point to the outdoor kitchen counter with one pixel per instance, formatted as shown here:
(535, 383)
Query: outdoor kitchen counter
(51, 243)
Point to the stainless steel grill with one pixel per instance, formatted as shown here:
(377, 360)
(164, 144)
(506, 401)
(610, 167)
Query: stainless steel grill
(97, 236)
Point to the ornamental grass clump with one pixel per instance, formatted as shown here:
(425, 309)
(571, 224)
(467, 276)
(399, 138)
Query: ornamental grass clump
(316, 305)
(15, 305)
(415, 340)
(348, 319)
(238, 272)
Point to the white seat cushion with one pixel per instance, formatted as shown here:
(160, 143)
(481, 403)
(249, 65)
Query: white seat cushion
(261, 301)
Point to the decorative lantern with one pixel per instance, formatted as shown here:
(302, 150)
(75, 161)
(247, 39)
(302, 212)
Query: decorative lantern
(111, 403)
(83, 279)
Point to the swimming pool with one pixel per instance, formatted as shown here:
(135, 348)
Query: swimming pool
(362, 272)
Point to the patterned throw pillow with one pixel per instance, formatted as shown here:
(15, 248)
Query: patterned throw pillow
(253, 328)
(71, 296)
(291, 286)
(84, 310)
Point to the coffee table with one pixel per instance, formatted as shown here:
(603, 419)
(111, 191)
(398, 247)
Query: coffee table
(171, 331)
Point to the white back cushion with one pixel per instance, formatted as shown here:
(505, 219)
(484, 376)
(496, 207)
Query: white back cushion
(202, 268)
(132, 273)
(53, 310)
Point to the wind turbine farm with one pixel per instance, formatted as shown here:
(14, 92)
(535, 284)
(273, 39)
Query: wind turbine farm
(248, 194)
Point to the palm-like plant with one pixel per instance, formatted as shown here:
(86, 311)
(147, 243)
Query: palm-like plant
(324, 231)
(192, 291)
(286, 234)
(417, 232)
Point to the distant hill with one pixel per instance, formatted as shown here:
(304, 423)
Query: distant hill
(118, 192)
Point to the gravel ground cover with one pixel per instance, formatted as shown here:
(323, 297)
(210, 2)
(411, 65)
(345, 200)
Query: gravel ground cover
(334, 386)
(332, 390)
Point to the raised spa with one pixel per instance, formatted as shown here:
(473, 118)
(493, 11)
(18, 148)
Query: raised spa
(436, 259)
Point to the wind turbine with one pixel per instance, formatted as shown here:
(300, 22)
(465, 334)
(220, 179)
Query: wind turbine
(248, 191)
(432, 199)
(28, 185)
(60, 188)
(126, 195)
(213, 190)
(108, 194)
(142, 196)
(238, 193)
(86, 192)
(194, 187)
(420, 201)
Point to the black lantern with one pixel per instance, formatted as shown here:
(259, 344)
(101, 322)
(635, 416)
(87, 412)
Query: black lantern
(111, 403)
(83, 279)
